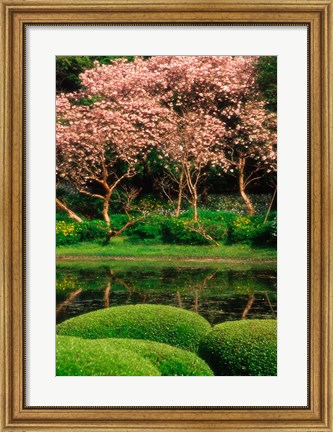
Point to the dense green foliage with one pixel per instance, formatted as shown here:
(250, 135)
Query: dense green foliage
(166, 324)
(267, 80)
(224, 227)
(246, 347)
(78, 357)
(253, 230)
(69, 232)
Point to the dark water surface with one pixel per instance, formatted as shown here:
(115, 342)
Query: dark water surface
(219, 292)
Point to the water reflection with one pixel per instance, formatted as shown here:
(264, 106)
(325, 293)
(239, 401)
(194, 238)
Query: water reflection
(218, 292)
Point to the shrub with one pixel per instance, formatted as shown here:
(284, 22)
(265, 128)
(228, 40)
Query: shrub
(218, 224)
(243, 229)
(176, 230)
(222, 226)
(170, 361)
(66, 233)
(266, 234)
(167, 324)
(149, 228)
(247, 347)
(118, 221)
(74, 232)
(80, 357)
(253, 230)
(215, 224)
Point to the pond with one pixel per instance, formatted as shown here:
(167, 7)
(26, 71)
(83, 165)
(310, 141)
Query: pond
(218, 291)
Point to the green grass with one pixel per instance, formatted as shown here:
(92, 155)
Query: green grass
(166, 324)
(170, 361)
(237, 348)
(124, 265)
(78, 357)
(123, 247)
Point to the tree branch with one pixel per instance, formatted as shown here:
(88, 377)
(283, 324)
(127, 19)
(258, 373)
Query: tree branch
(246, 183)
(70, 213)
(91, 194)
(202, 232)
(128, 174)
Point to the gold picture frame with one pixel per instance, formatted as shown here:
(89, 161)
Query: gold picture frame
(317, 15)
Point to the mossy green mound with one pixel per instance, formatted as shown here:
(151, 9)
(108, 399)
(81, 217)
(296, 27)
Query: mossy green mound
(79, 357)
(247, 347)
(166, 324)
(169, 360)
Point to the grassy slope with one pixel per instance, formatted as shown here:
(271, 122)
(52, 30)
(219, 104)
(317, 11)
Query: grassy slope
(122, 247)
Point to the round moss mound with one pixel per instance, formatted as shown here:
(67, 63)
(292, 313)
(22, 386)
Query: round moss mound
(247, 347)
(166, 324)
(169, 360)
(78, 357)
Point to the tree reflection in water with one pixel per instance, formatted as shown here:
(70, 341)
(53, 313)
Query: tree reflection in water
(218, 294)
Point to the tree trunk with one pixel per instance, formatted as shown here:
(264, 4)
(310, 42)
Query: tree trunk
(69, 300)
(270, 305)
(70, 213)
(192, 188)
(202, 232)
(180, 194)
(196, 300)
(106, 205)
(248, 306)
(180, 303)
(242, 186)
(195, 206)
(106, 295)
(113, 233)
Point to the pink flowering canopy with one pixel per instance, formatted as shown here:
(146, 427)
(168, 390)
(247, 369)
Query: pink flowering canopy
(196, 111)
(93, 138)
(193, 88)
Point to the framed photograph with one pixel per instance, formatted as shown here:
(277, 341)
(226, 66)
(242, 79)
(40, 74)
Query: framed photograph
(166, 183)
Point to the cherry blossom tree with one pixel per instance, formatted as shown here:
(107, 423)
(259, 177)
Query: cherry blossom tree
(101, 143)
(193, 146)
(250, 144)
(219, 119)
(196, 111)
